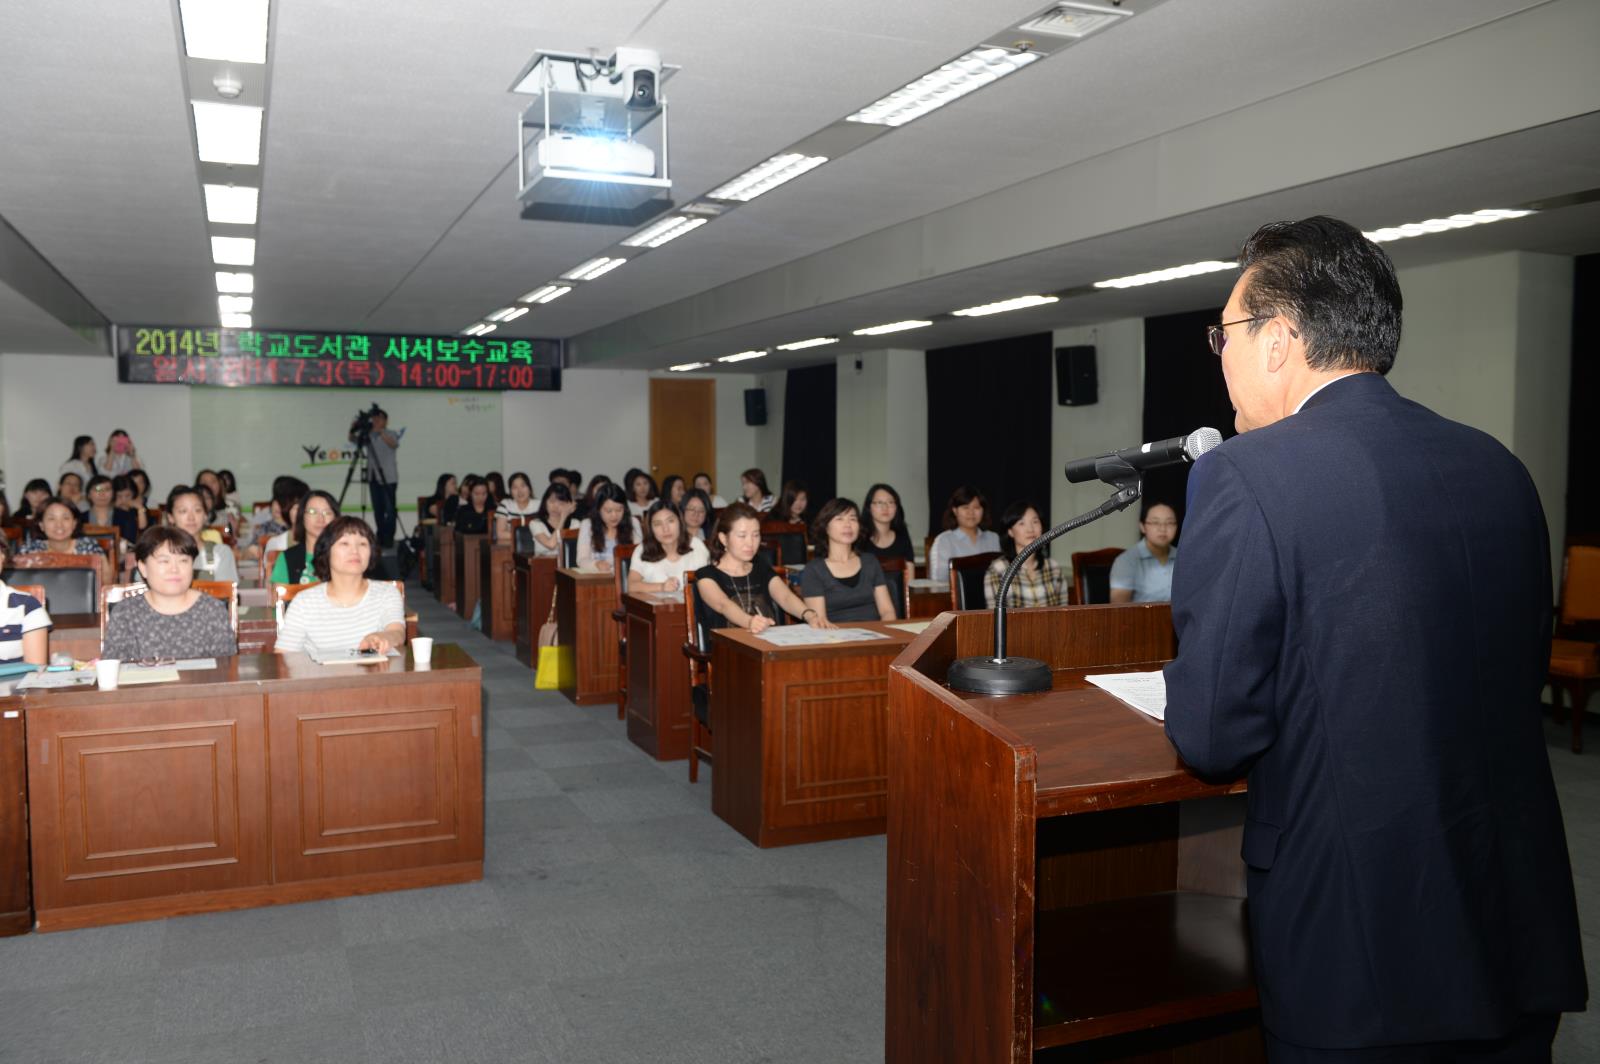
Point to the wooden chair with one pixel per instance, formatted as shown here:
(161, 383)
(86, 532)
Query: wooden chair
(1091, 576)
(569, 548)
(14, 533)
(226, 532)
(621, 563)
(72, 581)
(966, 580)
(1574, 653)
(785, 542)
(697, 649)
(897, 573)
(269, 559)
(110, 542)
(224, 590)
(927, 555)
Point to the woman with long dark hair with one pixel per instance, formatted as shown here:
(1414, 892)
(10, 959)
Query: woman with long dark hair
(641, 490)
(753, 490)
(966, 531)
(739, 589)
(884, 531)
(1039, 582)
(82, 460)
(609, 526)
(441, 503)
(557, 513)
(666, 551)
(792, 502)
(317, 511)
(473, 516)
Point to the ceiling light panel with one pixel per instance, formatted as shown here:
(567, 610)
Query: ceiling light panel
(230, 30)
(685, 367)
(235, 304)
(1075, 20)
(892, 327)
(231, 204)
(743, 356)
(758, 180)
(238, 283)
(1019, 303)
(1441, 225)
(507, 314)
(547, 294)
(227, 133)
(815, 341)
(237, 321)
(233, 250)
(593, 268)
(480, 328)
(1171, 273)
(664, 231)
(957, 78)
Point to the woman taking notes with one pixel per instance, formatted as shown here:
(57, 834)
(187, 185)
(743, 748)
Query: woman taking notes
(666, 551)
(347, 611)
(171, 619)
(1039, 582)
(964, 518)
(739, 589)
(840, 584)
(296, 565)
(609, 525)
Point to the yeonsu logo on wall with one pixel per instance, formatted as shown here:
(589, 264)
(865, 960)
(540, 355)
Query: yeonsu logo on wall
(318, 455)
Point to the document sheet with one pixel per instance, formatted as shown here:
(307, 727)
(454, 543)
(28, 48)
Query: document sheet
(1144, 691)
(801, 635)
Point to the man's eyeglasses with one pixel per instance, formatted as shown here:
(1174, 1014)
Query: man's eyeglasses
(1217, 335)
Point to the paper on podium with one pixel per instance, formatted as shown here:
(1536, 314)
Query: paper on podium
(1144, 691)
(800, 635)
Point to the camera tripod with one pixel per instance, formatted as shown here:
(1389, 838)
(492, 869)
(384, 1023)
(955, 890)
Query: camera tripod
(361, 462)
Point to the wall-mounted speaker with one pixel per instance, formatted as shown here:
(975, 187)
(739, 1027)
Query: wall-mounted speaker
(1077, 380)
(755, 406)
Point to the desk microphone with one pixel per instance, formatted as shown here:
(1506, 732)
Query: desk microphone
(1000, 675)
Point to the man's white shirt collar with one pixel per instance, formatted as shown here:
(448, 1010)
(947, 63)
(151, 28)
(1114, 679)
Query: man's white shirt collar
(1321, 386)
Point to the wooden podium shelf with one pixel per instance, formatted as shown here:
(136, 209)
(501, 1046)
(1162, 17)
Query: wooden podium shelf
(535, 590)
(497, 589)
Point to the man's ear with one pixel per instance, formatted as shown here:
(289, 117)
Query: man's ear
(1278, 337)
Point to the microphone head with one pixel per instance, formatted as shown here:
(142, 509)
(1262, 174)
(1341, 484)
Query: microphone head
(1200, 441)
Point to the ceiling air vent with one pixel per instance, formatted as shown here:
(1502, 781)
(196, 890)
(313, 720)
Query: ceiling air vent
(1075, 21)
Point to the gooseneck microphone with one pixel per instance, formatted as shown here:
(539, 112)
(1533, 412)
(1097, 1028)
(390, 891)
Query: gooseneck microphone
(1001, 675)
(1115, 465)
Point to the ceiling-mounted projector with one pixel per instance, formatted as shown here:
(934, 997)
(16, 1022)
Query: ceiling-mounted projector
(569, 151)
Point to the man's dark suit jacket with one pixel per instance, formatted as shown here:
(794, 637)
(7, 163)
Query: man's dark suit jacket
(1363, 619)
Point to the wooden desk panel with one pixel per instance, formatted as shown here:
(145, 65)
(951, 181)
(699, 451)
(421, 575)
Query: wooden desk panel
(497, 589)
(658, 675)
(16, 897)
(77, 634)
(535, 593)
(449, 547)
(799, 736)
(468, 573)
(584, 602)
(929, 600)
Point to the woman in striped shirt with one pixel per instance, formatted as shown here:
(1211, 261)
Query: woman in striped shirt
(24, 624)
(347, 611)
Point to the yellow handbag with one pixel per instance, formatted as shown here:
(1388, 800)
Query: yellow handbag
(557, 667)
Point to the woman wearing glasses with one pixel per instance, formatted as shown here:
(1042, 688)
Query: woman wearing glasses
(171, 619)
(1144, 572)
(295, 565)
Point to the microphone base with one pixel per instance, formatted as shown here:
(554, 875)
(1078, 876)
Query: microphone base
(1008, 676)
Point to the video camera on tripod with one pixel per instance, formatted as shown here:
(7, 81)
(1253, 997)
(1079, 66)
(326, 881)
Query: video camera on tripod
(362, 425)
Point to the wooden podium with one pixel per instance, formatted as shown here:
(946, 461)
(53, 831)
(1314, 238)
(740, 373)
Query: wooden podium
(1061, 887)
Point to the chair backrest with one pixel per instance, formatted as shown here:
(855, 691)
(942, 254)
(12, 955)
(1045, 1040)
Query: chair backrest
(621, 564)
(569, 548)
(225, 590)
(14, 533)
(522, 540)
(269, 560)
(966, 580)
(70, 581)
(1580, 585)
(107, 537)
(786, 540)
(36, 590)
(927, 557)
(283, 594)
(1091, 574)
(698, 635)
(226, 532)
(896, 575)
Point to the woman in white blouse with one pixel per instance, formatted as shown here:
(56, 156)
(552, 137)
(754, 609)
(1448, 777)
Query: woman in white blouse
(556, 513)
(519, 504)
(641, 489)
(666, 551)
(609, 526)
(696, 511)
(702, 481)
(347, 610)
(82, 460)
(753, 491)
(965, 516)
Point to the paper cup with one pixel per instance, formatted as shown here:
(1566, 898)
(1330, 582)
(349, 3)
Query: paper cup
(106, 672)
(422, 650)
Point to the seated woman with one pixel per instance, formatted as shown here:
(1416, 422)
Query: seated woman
(58, 534)
(792, 503)
(297, 563)
(696, 511)
(666, 551)
(1039, 582)
(141, 487)
(519, 504)
(186, 509)
(35, 494)
(348, 610)
(444, 490)
(82, 460)
(278, 518)
(586, 503)
(223, 511)
(1143, 573)
(739, 589)
(673, 489)
(886, 532)
(753, 491)
(127, 516)
(841, 584)
(171, 619)
(609, 525)
(473, 516)
(69, 489)
(497, 488)
(703, 482)
(641, 489)
(557, 513)
(121, 457)
(24, 624)
(964, 534)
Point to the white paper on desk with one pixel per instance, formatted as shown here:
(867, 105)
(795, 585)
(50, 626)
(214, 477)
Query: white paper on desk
(136, 674)
(928, 584)
(348, 656)
(801, 635)
(914, 627)
(47, 680)
(194, 664)
(1144, 691)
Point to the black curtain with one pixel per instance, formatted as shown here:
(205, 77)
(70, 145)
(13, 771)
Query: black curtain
(1583, 502)
(989, 410)
(810, 415)
(1183, 390)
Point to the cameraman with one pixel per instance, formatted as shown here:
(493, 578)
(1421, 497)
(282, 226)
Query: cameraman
(383, 472)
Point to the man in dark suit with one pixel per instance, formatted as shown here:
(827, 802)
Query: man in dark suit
(1363, 619)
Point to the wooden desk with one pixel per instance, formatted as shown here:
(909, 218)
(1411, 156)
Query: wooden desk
(445, 586)
(658, 675)
(77, 634)
(16, 900)
(929, 598)
(468, 572)
(497, 589)
(798, 735)
(158, 800)
(584, 602)
(535, 581)
(1057, 877)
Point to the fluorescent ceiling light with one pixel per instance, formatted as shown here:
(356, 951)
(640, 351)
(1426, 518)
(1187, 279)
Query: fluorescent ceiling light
(1075, 20)
(743, 356)
(242, 283)
(548, 294)
(955, 79)
(815, 341)
(1019, 303)
(235, 304)
(227, 132)
(663, 231)
(767, 176)
(892, 327)
(233, 250)
(1171, 273)
(685, 367)
(507, 314)
(231, 204)
(232, 30)
(480, 328)
(593, 268)
(236, 321)
(1441, 225)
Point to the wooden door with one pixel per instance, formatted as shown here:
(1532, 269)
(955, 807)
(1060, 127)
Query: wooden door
(683, 428)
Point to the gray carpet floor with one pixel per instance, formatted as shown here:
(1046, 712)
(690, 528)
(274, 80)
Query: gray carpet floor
(618, 921)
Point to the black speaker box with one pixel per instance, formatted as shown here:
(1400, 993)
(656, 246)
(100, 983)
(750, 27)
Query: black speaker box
(755, 406)
(1077, 380)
